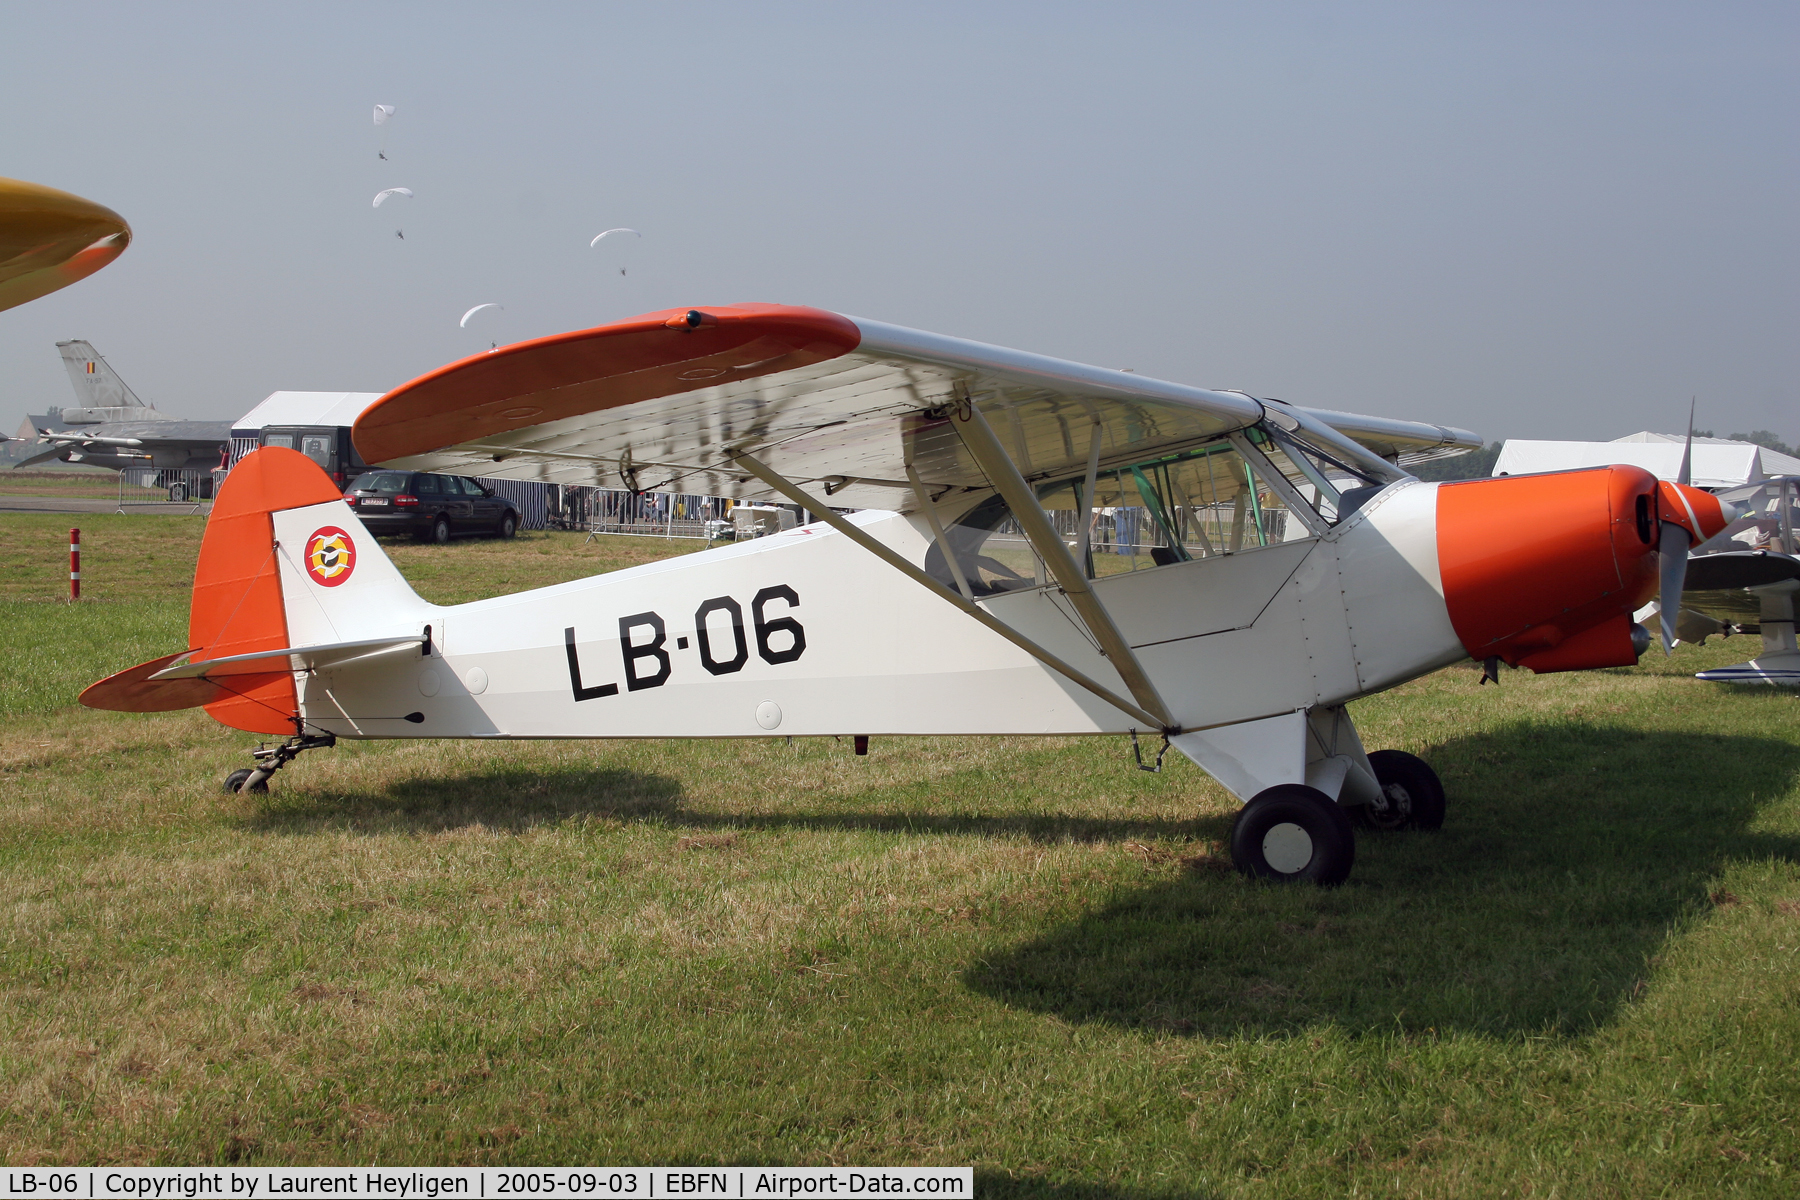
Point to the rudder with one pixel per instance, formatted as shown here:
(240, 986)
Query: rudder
(237, 606)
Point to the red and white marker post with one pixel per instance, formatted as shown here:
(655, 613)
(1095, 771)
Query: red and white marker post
(74, 565)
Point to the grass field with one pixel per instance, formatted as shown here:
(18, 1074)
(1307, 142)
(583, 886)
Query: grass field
(1019, 954)
(89, 484)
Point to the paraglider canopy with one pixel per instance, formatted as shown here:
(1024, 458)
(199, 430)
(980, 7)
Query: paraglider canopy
(386, 192)
(634, 233)
(382, 113)
(464, 323)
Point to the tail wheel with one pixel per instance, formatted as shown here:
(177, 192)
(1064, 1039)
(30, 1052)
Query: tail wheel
(1292, 833)
(509, 524)
(440, 531)
(234, 783)
(1412, 796)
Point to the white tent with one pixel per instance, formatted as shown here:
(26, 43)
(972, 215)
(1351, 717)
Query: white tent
(305, 408)
(1717, 462)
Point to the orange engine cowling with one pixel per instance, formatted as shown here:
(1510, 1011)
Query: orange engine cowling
(1544, 571)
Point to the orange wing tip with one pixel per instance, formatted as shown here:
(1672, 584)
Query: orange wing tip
(591, 370)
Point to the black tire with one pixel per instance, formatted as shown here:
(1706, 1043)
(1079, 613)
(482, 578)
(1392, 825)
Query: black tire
(178, 493)
(1412, 794)
(509, 524)
(1305, 833)
(440, 531)
(234, 783)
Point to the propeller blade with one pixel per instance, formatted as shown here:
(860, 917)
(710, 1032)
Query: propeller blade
(1686, 474)
(1672, 560)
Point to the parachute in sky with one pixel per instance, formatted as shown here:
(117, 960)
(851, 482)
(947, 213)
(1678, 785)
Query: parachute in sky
(382, 113)
(386, 192)
(634, 233)
(464, 323)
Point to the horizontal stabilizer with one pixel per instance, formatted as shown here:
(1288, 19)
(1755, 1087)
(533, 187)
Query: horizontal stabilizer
(292, 658)
(1782, 669)
(133, 690)
(58, 451)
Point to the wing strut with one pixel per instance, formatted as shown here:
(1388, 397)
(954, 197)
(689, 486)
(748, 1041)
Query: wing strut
(991, 457)
(888, 556)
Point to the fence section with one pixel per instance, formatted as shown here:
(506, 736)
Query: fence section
(141, 487)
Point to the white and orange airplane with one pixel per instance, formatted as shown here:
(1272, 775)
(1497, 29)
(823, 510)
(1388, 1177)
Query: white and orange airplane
(1285, 566)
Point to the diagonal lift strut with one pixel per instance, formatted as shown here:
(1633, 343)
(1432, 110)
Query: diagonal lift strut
(792, 491)
(991, 457)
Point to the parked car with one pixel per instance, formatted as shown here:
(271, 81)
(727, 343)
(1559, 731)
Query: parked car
(433, 508)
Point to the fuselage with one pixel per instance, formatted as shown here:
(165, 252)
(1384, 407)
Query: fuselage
(804, 633)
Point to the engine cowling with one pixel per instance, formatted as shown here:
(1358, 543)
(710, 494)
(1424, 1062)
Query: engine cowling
(1544, 571)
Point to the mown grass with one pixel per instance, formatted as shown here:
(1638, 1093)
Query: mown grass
(1017, 953)
(94, 483)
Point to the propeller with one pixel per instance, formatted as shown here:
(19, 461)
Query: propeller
(1686, 474)
(1679, 526)
(1672, 546)
(1671, 549)
(1672, 554)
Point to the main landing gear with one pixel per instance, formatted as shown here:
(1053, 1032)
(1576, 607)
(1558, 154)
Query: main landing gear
(1294, 833)
(270, 759)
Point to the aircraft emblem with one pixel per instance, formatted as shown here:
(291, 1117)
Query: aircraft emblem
(330, 556)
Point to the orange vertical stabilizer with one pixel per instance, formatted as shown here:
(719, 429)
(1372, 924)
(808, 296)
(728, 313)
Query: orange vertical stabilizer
(237, 605)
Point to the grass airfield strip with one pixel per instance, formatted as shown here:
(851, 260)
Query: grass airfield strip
(1020, 954)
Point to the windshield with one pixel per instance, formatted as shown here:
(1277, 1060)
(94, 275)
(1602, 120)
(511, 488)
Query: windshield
(382, 483)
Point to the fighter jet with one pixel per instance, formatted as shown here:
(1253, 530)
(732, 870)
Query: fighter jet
(112, 428)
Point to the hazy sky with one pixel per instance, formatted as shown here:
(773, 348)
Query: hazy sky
(1543, 220)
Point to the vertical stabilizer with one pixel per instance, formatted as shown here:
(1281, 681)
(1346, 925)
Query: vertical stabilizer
(96, 384)
(238, 606)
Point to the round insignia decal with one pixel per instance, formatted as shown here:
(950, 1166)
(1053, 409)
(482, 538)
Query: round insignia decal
(330, 556)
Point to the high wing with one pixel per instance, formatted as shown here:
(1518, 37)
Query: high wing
(848, 409)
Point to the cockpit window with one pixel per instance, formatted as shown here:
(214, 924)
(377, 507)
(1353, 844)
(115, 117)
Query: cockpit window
(1202, 502)
(990, 550)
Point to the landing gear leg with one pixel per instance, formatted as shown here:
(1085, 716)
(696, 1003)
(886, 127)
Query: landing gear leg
(270, 759)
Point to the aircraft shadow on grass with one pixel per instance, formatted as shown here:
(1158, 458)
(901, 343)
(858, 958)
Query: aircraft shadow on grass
(1571, 853)
(520, 799)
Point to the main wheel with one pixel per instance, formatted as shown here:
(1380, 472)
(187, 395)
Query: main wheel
(178, 492)
(1294, 833)
(440, 531)
(509, 524)
(234, 783)
(1412, 796)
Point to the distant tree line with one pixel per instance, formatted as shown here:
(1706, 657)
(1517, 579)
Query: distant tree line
(1760, 437)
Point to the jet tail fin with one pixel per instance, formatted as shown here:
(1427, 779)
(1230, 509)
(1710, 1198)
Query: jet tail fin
(96, 384)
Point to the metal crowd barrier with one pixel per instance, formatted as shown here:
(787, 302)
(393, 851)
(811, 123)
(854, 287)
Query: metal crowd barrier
(146, 487)
(603, 511)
